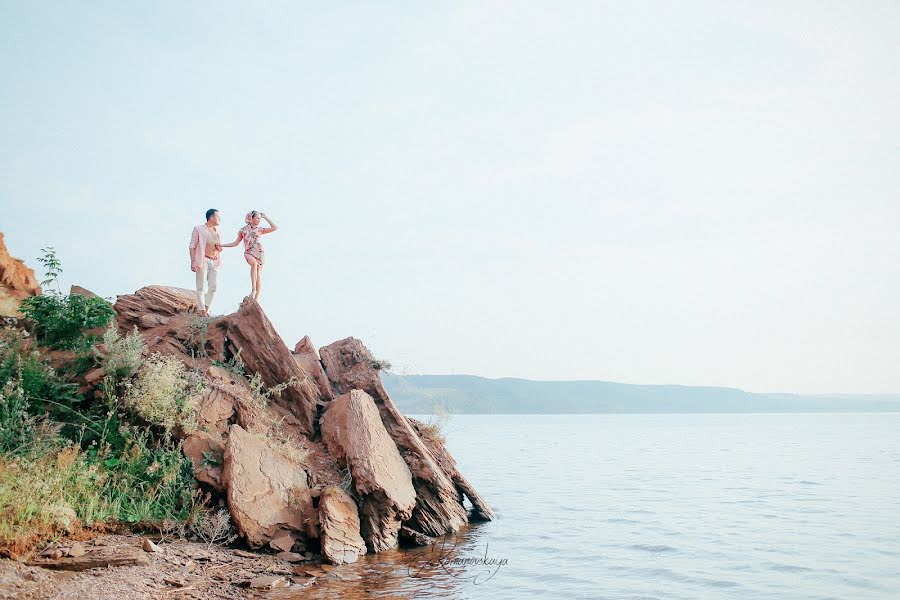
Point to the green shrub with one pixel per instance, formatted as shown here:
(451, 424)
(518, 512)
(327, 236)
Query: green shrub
(150, 481)
(17, 426)
(29, 383)
(58, 320)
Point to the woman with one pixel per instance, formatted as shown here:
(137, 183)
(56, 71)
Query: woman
(253, 250)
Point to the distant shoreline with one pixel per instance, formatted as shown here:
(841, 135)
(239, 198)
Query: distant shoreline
(470, 394)
(843, 412)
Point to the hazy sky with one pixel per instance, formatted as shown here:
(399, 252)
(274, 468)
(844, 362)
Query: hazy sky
(704, 193)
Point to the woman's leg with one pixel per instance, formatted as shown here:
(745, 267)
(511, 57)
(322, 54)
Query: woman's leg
(254, 272)
(258, 280)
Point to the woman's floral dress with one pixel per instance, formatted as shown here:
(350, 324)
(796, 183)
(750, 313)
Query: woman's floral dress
(252, 246)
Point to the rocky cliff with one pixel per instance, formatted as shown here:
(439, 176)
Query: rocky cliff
(307, 449)
(17, 281)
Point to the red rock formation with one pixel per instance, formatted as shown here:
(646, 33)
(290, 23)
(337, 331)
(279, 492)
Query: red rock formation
(157, 302)
(439, 508)
(339, 523)
(17, 282)
(306, 356)
(263, 352)
(401, 479)
(355, 436)
(164, 316)
(480, 509)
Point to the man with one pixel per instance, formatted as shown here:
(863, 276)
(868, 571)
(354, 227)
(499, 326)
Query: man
(205, 260)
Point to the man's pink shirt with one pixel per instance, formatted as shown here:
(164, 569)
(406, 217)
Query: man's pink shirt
(199, 238)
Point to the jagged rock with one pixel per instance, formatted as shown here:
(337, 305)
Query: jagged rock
(411, 537)
(17, 282)
(306, 356)
(267, 494)
(480, 509)
(207, 454)
(165, 318)
(263, 352)
(439, 507)
(157, 300)
(400, 477)
(77, 290)
(339, 522)
(354, 434)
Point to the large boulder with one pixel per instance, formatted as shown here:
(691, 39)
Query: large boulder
(354, 434)
(156, 304)
(17, 282)
(166, 318)
(339, 524)
(439, 503)
(268, 495)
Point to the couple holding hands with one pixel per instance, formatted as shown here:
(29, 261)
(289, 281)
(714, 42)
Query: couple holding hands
(205, 248)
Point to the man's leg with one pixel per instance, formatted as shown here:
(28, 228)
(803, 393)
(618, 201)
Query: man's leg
(212, 281)
(201, 284)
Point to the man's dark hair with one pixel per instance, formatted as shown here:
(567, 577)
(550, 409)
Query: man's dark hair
(210, 213)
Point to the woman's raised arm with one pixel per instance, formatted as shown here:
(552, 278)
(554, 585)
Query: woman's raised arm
(272, 226)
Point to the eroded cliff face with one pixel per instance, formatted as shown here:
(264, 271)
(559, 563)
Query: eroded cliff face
(17, 282)
(329, 464)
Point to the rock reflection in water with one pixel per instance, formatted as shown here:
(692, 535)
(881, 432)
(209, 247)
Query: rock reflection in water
(427, 572)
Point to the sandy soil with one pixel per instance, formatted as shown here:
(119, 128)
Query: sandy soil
(179, 569)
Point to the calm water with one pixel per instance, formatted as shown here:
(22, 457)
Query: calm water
(663, 506)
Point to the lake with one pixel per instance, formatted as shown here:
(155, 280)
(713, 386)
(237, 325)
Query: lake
(661, 506)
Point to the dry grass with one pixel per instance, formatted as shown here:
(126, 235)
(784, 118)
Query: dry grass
(214, 527)
(165, 393)
(435, 428)
(52, 495)
(124, 355)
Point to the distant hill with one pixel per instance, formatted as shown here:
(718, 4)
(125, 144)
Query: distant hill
(460, 394)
